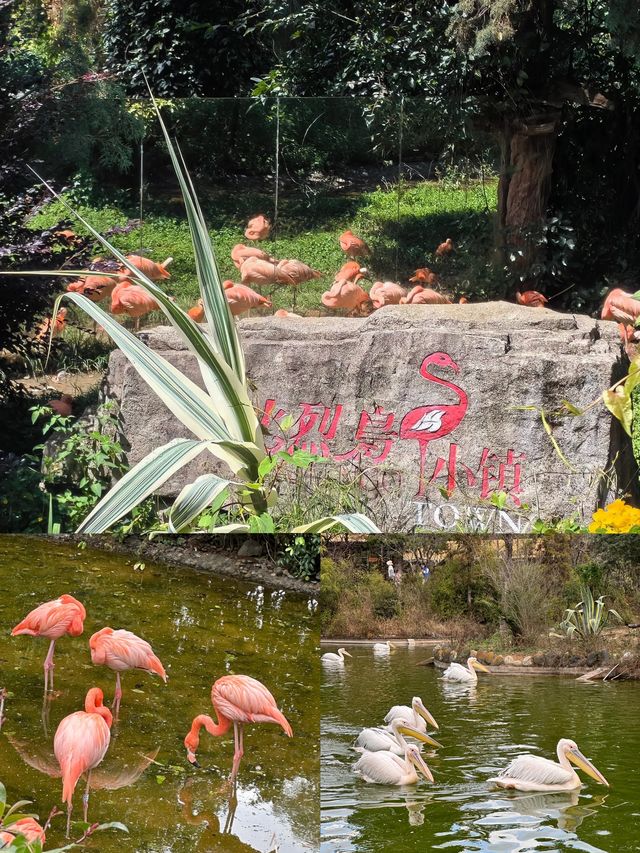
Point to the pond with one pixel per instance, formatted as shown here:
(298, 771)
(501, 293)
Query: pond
(201, 627)
(481, 728)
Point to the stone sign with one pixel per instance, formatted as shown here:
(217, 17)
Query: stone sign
(422, 406)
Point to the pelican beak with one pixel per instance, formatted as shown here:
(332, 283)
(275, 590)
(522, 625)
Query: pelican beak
(419, 763)
(584, 764)
(392, 646)
(480, 666)
(347, 654)
(427, 715)
(421, 736)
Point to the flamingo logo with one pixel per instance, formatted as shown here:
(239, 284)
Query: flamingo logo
(428, 423)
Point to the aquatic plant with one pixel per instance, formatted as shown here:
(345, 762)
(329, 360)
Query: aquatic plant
(221, 417)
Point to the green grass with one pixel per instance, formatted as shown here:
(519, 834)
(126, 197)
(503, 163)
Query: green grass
(402, 230)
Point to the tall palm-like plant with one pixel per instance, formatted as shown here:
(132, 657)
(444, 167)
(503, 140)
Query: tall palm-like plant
(221, 417)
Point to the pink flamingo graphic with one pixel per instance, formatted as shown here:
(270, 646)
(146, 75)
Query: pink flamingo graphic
(427, 423)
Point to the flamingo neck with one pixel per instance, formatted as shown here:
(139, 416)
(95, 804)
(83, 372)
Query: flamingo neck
(214, 729)
(430, 377)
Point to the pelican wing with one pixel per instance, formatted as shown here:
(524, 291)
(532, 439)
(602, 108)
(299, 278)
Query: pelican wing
(533, 768)
(385, 768)
(456, 672)
(403, 711)
(377, 739)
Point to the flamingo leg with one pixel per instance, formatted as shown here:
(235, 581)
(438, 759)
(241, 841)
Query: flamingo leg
(85, 797)
(48, 667)
(69, 810)
(117, 695)
(239, 750)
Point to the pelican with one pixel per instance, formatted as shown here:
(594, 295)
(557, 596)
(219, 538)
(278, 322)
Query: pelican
(383, 648)
(533, 773)
(385, 768)
(383, 740)
(457, 672)
(335, 659)
(417, 715)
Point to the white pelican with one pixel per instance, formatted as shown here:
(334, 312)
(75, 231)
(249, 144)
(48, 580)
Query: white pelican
(383, 740)
(383, 648)
(467, 675)
(533, 773)
(417, 715)
(385, 768)
(335, 659)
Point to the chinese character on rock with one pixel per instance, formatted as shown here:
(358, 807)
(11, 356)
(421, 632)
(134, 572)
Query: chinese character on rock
(374, 436)
(450, 469)
(501, 475)
(316, 427)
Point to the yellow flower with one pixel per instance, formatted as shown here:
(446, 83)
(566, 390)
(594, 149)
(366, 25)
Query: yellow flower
(617, 517)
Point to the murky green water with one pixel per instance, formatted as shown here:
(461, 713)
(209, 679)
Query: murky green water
(481, 729)
(201, 627)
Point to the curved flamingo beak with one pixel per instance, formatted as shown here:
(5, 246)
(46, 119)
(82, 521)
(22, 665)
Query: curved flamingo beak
(191, 756)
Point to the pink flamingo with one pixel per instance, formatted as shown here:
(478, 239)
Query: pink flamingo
(420, 295)
(353, 246)
(352, 271)
(295, 272)
(236, 699)
(386, 293)
(94, 287)
(150, 268)
(53, 619)
(27, 827)
(240, 253)
(345, 294)
(258, 228)
(133, 300)
(531, 298)
(121, 650)
(428, 423)
(621, 307)
(258, 271)
(242, 298)
(80, 743)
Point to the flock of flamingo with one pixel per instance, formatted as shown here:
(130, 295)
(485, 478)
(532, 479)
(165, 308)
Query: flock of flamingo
(258, 268)
(82, 738)
(388, 758)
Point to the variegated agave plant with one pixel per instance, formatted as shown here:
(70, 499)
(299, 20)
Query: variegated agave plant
(221, 417)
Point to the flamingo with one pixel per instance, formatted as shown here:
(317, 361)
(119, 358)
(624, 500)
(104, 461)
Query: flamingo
(240, 253)
(428, 423)
(383, 740)
(621, 307)
(383, 648)
(258, 228)
(295, 272)
(44, 329)
(63, 406)
(121, 650)
(345, 294)
(147, 267)
(237, 699)
(445, 248)
(534, 773)
(385, 768)
(334, 659)
(461, 674)
(386, 293)
(80, 743)
(531, 298)
(417, 715)
(242, 298)
(94, 287)
(53, 619)
(424, 275)
(133, 300)
(27, 827)
(282, 314)
(197, 312)
(420, 295)
(352, 245)
(258, 271)
(352, 271)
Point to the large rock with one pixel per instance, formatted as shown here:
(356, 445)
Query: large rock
(427, 402)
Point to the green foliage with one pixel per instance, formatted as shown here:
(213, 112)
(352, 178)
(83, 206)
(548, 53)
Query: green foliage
(588, 618)
(301, 557)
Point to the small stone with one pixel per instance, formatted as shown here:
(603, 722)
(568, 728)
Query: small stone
(527, 660)
(251, 547)
(539, 659)
(498, 660)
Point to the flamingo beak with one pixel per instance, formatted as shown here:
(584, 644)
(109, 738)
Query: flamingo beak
(477, 665)
(584, 764)
(421, 736)
(427, 715)
(192, 758)
(419, 763)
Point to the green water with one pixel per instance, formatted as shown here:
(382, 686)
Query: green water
(201, 627)
(481, 728)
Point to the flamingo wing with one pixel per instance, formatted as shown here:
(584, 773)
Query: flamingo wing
(246, 700)
(80, 743)
(53, 619)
